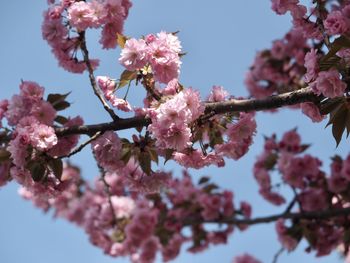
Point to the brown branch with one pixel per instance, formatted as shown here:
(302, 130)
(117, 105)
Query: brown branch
(81, 146)
(97, 91)
(324, 214)
(268, 103)
(211, 108)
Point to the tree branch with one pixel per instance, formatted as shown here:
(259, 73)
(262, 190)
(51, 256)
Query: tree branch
(212, 108)
(97, 91)
(324, 214)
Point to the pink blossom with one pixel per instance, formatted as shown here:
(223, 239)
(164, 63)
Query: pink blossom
(312, 111)
(107, 149)
(66, 143)
(170, 121)
(196, 159)
(313, 199)
(336, 23)
(108, 87)
(43, 137)
(345, 171)
(44, 112)
(311, 65)
(134, 55)
(217, 94)
(291, 141)
(287, 241)
(81, 15)
(31, 90)
(245, 258)
(123, 206)
(109, 32)
(172, 249)
(17, 108)
(329, 84)
(3, 108)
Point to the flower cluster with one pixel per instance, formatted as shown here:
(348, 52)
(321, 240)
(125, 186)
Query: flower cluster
(108, 87)
(314, 191)
(161, 52)
(124, 223)
(30, 154)
(171, 120)
(62, 18)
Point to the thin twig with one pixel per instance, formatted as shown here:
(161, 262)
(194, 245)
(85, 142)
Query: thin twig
(323, 214)
(97, 91)
(81, 146)
(212, 108)
(108, 192)
(279, 252)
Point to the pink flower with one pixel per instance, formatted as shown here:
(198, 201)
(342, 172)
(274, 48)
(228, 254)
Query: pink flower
(108, 87)
(313, 199)
(3, 108)
(287, 241)
(66, 143)
(43, 137)
(291, 141)
(245, 258)
(329, 84)
(312, 111)
(336, 23)
(107, 149)
(82, 15)
(217, 94)
(44, 112)
(31, 90)
(134, 55)
(311, 65)
(282, 6)
(196, 159)
(170, 121)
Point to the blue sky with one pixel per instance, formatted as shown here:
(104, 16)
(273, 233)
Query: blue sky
(221, 39)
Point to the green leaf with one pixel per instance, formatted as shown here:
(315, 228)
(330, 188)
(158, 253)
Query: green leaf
(37, 170)
(210, 187)
(56, 166)
(126, 77)
(4, 155)
(168, 155)
(61, 105)
(145, 162)
(338, 118)
(337, 44)
(126, 154)
(270, 161)
(329, 63)
(121, 39)
(153, 154)
(204, 180)
(58, 101)
(331, 104)
(61, 119)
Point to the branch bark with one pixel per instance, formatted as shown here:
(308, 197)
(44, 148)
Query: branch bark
(324, 214)
(213, 108)
(97, 91)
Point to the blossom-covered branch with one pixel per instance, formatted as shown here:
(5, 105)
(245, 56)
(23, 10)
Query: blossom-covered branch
(93, 83)
(234, 105)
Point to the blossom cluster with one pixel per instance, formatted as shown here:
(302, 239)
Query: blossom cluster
(108, 87)
(161, 52)
(314, 191)
(127, 223)
(32, 147)
(65, 20)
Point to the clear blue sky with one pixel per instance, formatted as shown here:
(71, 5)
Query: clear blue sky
(221, 38)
